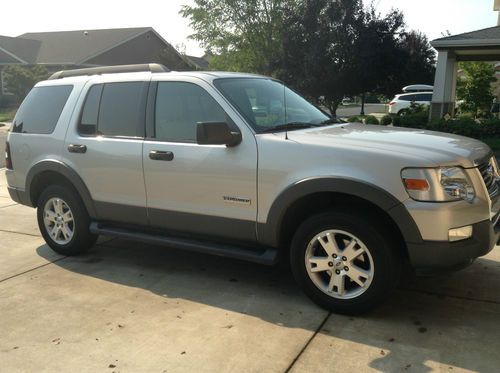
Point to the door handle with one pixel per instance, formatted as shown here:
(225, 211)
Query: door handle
(157, 155)
(77, 148)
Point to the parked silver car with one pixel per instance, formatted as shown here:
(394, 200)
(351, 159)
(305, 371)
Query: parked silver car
(181, 158)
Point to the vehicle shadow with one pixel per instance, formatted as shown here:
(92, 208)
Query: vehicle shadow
(430, 319)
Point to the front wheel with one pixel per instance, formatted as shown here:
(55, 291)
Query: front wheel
(344, 262)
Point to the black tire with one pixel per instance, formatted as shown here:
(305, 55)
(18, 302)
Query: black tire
(82, 239)
(387, 261)
(403, 112)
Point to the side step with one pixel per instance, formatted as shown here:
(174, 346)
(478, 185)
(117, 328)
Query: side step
(266, 256)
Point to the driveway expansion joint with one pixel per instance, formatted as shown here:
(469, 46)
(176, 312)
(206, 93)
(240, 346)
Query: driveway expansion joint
(453, 296)
(23, 233)
(31, 270)
(2, 207)
(318, 329)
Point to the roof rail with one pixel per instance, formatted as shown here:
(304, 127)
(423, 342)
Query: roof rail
(152, 67)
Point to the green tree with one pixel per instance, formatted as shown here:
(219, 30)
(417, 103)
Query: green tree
(420, 59)
(474, 88)
(377, 55)
(244, 35)
(337, 48)
(19, 79)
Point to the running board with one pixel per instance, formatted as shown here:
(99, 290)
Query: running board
(265, 255)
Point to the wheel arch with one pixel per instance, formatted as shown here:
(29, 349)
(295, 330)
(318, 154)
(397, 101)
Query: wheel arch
(315, 195)
(49, 172)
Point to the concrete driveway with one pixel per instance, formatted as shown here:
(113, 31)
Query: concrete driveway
(3, 137)
(127, 307)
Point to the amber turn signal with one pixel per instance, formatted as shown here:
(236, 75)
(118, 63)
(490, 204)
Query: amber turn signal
(416, 184)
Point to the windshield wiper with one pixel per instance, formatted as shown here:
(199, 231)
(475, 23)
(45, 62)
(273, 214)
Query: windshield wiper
(289, 126)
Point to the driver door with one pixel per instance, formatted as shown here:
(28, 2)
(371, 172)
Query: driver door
(207, 190)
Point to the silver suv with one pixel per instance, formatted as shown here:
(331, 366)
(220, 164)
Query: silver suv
(238, 165)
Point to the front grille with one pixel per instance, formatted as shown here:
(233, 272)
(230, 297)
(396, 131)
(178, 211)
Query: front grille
(487, 171)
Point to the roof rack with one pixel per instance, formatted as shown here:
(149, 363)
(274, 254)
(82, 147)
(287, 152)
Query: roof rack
(152, 67)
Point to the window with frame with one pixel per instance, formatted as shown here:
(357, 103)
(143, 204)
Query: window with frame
(41, 109)
(179, 107)
(408, 98)
(424, 97)
(114, 109)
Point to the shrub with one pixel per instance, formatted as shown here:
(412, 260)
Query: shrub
(469, 127)
(386, 120)
(370, 119)
(416, 120)
(354, 119)
(396, 121)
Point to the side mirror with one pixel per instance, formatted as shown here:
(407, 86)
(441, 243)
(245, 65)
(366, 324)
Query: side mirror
(216, 133)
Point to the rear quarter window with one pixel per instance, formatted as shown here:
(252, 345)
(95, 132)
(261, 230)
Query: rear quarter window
(408, 98)
(41, 109)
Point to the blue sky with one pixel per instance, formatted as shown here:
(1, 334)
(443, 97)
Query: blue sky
(432, 17)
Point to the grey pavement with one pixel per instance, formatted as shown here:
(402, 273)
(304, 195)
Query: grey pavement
(131, 307)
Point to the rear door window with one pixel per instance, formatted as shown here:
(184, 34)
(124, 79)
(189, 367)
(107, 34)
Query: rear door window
(122, 109)
(41, 109)
(114, 109)
(90, 113)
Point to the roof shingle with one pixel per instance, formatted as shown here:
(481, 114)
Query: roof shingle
(23, 49)
(74, 47)
(491, 33)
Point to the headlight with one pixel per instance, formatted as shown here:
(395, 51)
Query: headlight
(438, 184)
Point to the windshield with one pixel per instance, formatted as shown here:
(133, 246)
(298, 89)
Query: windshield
(267, 104)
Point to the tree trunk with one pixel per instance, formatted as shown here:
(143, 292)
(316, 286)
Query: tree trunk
(332, 107)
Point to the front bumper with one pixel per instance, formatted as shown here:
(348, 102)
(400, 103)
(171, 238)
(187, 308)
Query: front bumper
(433, 255)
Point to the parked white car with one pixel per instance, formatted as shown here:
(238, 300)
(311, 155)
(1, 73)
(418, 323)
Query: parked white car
(401, 103)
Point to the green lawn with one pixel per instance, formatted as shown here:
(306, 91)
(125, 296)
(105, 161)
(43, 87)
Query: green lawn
(6, 115)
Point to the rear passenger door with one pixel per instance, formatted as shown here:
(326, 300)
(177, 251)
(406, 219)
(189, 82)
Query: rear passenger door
(208, 190)
(105, 148)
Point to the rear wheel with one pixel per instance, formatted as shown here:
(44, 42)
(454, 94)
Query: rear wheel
(343, 262)
(63, 221)
(403, 112)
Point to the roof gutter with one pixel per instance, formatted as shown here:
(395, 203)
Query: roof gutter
(439, 44)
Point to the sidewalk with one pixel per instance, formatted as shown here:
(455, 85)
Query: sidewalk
(4, 126)
(129, 307)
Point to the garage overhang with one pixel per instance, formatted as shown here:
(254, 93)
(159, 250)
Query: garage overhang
(481, 45)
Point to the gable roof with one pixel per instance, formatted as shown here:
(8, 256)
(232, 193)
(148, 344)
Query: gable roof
(199, 61)
(20, 50)
(486, 37)
(75, 47)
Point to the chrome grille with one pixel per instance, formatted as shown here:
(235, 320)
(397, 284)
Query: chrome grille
(488, 173)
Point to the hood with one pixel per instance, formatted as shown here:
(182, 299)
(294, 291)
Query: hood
(442, 149)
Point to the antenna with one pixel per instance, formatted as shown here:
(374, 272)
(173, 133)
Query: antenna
(284, 104)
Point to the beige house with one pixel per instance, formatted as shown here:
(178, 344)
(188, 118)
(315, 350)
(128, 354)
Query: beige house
(480, 45)
(86, 48)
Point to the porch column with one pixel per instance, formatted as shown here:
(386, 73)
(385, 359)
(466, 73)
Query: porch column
(445, 85)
